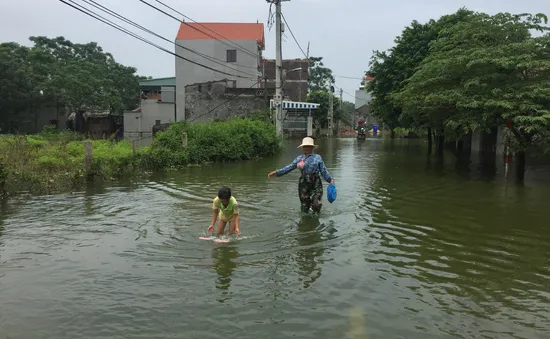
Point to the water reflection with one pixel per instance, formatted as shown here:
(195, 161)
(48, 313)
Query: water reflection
(310, 249)
(5, 210)
(224, 264)
(424, 251)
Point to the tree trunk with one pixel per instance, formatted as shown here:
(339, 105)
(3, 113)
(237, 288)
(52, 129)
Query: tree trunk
(429, 140)
(459, 146)
(392, 133)
(440, 146)
(520, 165)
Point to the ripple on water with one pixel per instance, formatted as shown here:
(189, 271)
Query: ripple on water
(411, 250)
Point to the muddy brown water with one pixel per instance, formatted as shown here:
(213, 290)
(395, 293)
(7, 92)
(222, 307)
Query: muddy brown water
(412, 248)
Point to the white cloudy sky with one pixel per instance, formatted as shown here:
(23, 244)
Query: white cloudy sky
(343, 32)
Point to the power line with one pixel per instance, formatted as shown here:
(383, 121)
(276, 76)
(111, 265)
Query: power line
(255, 55)
(121, 17)
(291, 33)
(188, 18)
(346, 77)
(351, 95)
(132, 34)
(223, 103)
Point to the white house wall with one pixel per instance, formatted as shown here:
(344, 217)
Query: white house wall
(362, 98)
(188, 73)
(139, 125)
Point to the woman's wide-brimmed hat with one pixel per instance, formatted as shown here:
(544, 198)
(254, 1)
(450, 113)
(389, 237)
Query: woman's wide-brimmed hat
(307, 141)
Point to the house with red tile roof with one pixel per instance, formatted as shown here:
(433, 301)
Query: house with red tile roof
(230, 52)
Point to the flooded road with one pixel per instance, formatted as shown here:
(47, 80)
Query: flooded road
(412, 248)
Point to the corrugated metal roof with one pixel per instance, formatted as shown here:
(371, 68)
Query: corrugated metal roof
(158, 82)
(295, 105)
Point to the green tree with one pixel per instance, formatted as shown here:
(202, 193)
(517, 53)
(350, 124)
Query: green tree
(320, 77)
(58, 73)
(485, 72)
(347, 113)
(391, 68)
(321, 114)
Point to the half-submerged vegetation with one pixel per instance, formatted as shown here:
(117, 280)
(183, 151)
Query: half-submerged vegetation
(54, 161)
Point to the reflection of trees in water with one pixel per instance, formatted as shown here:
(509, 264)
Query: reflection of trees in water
(459, 238)
(5, 210)
(310, 249)
(224, 264)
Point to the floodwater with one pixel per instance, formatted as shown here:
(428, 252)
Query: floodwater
(412, 248)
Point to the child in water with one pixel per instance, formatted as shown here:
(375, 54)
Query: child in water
(226, 208)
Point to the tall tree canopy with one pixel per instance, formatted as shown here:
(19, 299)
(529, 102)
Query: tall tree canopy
(320, 77)
(321, 114)
(391, 68)
(56, 72)
(486, 72)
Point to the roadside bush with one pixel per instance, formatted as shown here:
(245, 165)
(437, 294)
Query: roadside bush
(54, 161)
(232, 140)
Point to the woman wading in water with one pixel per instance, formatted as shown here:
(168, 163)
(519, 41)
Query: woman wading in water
(312, 167)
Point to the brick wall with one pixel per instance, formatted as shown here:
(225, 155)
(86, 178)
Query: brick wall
(209, 101)
(295, 85)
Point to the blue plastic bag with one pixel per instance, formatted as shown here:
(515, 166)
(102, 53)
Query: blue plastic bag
(331, 193)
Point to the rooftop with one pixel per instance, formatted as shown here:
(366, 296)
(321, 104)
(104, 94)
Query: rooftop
(222, 31)
(158, 82)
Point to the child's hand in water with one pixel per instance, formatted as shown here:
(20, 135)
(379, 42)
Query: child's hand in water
(210, 228)
(237, 231)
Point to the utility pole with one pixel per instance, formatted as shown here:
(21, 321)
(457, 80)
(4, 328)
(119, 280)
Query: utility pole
(278, 99)
(341, 109)
(266, 118)
(331, 110)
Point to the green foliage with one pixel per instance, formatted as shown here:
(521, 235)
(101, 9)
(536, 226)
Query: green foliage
(323, 99)
(392, 68)
(59, 73)
(347, 112)
(40, 164)
(258, 114)
(232, 140)
(482, 73)
(320, 77)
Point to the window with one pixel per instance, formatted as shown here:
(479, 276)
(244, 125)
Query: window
(157, 122)
(231, 55)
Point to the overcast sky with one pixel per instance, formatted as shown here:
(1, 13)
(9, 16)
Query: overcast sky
(343, 32)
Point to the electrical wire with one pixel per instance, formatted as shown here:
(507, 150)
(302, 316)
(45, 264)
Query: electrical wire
(223, 103)
(121, 17)
(98, 17)
(188, 18)
(183, 22)
(292, 33)
(351, 95)
(346, 77)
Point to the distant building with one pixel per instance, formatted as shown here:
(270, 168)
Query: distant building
(295, 74)
(214, 100)
(158, 106)
(233, 48)
(362, 102)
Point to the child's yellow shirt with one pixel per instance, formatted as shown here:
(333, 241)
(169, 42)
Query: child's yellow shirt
(226, 212)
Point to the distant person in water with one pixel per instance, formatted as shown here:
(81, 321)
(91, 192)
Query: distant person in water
(312, 167)
(226, 208)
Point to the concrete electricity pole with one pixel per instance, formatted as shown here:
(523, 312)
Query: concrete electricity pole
(331, 110)
(266, 103)
(341, 110)
(278, 99)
